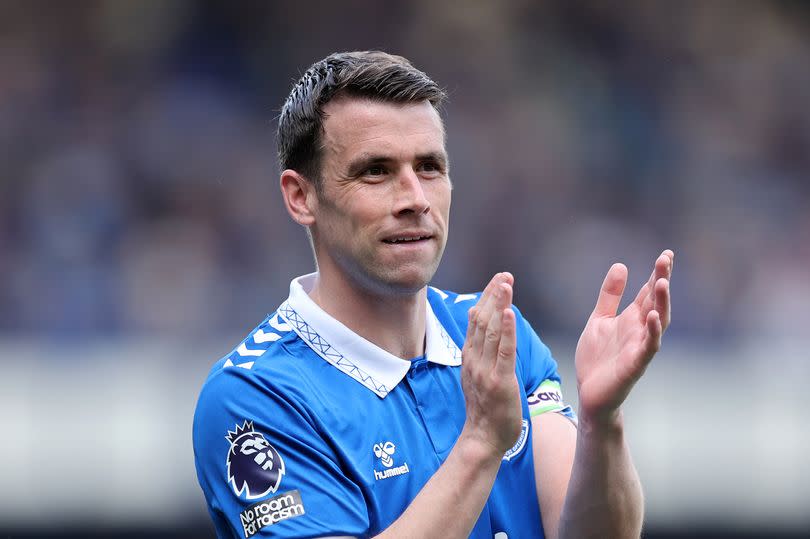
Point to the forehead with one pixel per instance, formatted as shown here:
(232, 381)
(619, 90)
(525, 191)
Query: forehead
(354, 125)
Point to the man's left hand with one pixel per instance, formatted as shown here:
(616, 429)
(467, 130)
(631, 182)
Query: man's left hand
(614, 350)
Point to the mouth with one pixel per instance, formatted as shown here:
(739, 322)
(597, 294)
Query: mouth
(405, 239)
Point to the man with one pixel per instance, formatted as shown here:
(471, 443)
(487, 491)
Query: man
(370, 404)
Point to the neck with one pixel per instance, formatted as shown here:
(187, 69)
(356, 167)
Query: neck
(395, 323)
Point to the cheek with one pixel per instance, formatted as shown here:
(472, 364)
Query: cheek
(342, 217)
(365, 211)
(441, 200)
(353, 228)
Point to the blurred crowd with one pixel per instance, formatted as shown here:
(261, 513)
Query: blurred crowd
(138, 187)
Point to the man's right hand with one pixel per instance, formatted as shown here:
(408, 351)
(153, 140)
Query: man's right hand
(488, 377)
(492, 398)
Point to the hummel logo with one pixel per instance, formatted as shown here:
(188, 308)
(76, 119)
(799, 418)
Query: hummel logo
(384, 452)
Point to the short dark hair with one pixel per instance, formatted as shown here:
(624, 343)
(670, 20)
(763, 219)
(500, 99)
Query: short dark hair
(365, 74)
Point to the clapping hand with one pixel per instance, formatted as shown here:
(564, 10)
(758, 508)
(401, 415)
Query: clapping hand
(615, 349)
(491, 389)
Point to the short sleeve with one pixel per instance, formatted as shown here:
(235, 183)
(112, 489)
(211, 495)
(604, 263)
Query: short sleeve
(541, 381)
(263, 466)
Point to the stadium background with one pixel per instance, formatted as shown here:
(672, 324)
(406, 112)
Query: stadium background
(141, 234)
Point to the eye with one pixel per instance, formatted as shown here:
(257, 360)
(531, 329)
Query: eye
(430, 168)
(375, 170)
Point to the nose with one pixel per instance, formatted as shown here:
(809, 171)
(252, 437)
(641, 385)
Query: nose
(410, 194)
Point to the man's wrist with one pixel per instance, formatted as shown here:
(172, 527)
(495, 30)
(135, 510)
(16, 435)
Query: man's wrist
(477, 451)
(605, 425)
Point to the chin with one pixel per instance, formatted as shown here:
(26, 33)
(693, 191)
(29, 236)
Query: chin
(402, 283)
(407, 288)
(417, 280)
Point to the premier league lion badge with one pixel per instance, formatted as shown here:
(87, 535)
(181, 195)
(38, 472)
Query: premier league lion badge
(255, 467)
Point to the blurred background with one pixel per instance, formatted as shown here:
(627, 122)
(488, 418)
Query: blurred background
(142, 234)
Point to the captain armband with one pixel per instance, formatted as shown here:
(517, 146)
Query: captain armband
(547, 397)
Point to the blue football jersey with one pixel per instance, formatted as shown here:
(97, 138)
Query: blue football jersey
(307, 429)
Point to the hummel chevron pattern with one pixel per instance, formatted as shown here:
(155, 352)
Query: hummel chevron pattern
(277, 324)
(442, 293)
(261, 337)
(245, 351)
(246, 365)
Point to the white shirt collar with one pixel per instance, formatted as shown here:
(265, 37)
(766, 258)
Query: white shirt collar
(363, 360)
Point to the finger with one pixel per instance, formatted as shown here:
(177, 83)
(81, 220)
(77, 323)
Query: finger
(669, 253)
(473, 313)
(480, 314)
(652, 340)
(611, 292)
(662, 302)
(504, 297)
(492, 335)
(507, 347)
(488, 296)
(506, 277)
(661, 268)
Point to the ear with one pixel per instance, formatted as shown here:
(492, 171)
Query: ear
(299, 197)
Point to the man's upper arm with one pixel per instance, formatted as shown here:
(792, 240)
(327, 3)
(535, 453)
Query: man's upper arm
(553, 426)
(554, 439)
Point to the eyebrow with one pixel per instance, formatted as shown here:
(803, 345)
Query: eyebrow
(365, 160)
(439, 157)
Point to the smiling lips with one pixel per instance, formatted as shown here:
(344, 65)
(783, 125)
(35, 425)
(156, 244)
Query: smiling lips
(407, 239)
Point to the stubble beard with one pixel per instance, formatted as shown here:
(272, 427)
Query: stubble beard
(377, 278)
